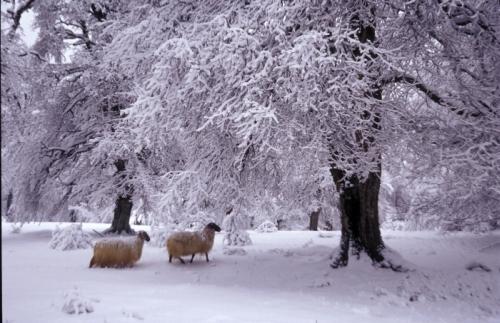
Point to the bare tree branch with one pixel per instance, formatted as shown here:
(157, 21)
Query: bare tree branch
(432, 95)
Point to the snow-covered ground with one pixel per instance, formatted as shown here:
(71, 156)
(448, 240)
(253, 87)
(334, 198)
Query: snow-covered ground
(282, 277)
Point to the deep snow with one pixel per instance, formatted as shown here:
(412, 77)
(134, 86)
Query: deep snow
(281, 277)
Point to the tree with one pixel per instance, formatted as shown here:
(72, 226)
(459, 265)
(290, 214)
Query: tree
(454, 146)
(257, 78)
(208, 104)
(21, 92)
(67, 164)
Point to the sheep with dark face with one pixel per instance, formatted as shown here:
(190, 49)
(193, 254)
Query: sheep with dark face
(190, 243)
(118, 252)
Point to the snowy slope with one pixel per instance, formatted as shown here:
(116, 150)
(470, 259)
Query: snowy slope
(282, 277)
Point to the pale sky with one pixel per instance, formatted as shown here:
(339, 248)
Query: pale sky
(28, 34)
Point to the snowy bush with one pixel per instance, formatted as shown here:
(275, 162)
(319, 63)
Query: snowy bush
(160, 234)
(194, 222)
(266, 226)
(83, 213)
(16, 228)
(75, 304)
(235, 236)
(70, 237)
(395, 225)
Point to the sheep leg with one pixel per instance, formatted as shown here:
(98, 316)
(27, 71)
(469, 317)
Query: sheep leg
(91, 262)
(170, 258)
(192, 257)
(206, 255)
(182, 260)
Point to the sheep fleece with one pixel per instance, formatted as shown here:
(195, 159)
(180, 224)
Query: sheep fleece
(116, 253)
(188, 243)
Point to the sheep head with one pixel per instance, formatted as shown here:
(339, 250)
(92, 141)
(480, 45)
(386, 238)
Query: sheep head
(213, 226)
(143, 235)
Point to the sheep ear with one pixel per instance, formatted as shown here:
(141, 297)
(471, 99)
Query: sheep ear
(214, 226)
(143, 235)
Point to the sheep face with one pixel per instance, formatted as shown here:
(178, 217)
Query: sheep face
(143, 235)
(213, 226)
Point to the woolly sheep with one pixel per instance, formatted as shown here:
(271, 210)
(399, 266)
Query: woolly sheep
(118, 252)
(190, 243)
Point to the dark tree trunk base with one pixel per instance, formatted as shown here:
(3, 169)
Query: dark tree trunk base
(116, 231)
(314, 219)
(358, 202)
(341, 261)
(121, 217)
(378, 259)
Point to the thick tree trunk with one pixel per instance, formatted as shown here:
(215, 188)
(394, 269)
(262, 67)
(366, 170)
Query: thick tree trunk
(72, 216)
(8, 205)
(314, 219)
(358, 204)
(123, 207)
(279, 224)
(121, 216)
(359, 197)
(359, 218)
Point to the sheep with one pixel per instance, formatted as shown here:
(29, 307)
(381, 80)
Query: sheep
(190, 243)
(118, 252)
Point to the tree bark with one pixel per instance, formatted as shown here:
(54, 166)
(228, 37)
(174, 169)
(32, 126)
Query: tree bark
(72, 216)
(314, 219)
(279, 224)
(8, 205)
(358, 198)
(358, 204)
(123, 207)
(121, 216)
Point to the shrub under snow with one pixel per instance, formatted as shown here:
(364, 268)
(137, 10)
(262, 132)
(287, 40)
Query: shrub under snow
(266, 226)
(16, 228)
(70, 237)
(75, 304)
(234, 235)
(237, 238)
(159, 235)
